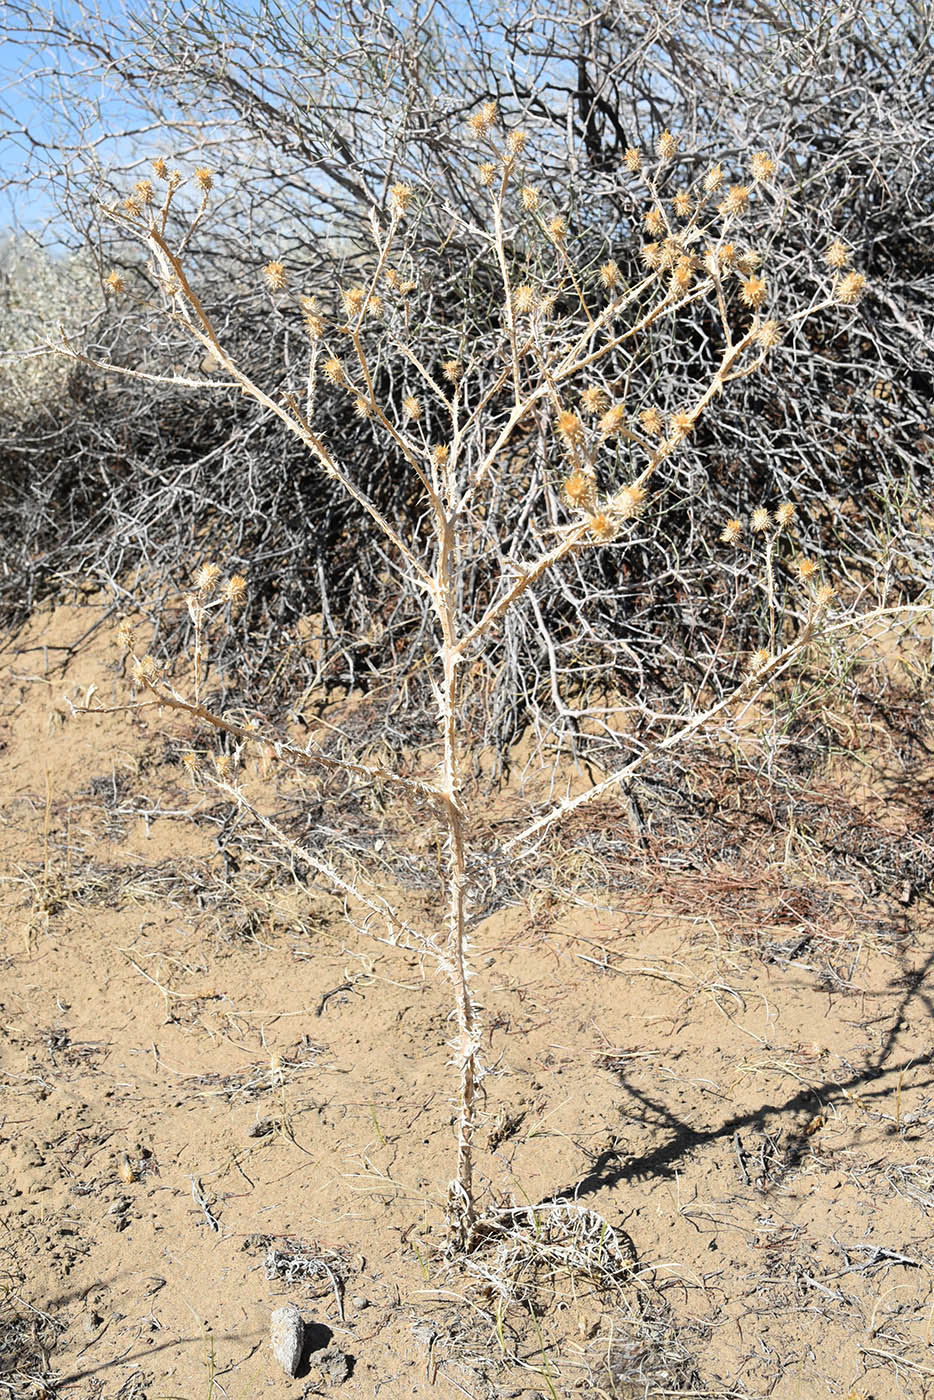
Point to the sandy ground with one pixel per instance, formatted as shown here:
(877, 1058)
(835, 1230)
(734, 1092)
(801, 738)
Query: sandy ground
(711, 1080)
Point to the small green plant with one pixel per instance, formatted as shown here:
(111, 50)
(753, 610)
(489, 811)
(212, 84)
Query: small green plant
(564, 362)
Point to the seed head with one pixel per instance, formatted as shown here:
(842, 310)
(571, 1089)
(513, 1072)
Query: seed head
(667, 145)
(530, 198)
(613, 420)
(274, 276)
(805, 569)
(314, 321)
(768, 335)
(762, 166)
(753, 292)
(632, 159)
(143, 190)
(114, 283)
(412, 408)
(651, 421)
(334, 371)
(207, 578)
(204, 179)
(593, 399)
(849, 288)
(558, 229)
(146, 669)
(486, 173)
(603, 527)
(451, 370)
(400, 196)
(234, 590)
(735, 202)
(651, 254)
(524, 300)
(837, 255)
(515, 141)
(681, 424)
(569, 428)
(731, 532)
(190, 763)
(629, 502)
(362, 408)
(440, 454)
(713, 179)
(682, 204)
(125, 635)
(760, 520)
(824, 594)
(747, 262)
(160, 169)
(655, 222)
(132, 206)
(758, 661)
(784, 514)
(609, 275)
(579, 491)
(222, 762)
(682, 274)
(481, 122)
(353, 299)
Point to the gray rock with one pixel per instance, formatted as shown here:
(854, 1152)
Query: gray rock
(287, 1337)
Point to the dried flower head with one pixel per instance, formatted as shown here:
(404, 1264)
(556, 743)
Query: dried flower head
(760, 520)
(481, 122)
(334, 371)
(762, 166)
(125, 635)
(593, 399)
(143, 190)
(569, 428)
(411, 408)
(652, 422)
(651, 254)
(530, 198)
(353, 299)
(440, 454)
(131, 206)
(655, 221)
(207, 578)
(613, 420)
(609, 275)
(747, 261)
(824, 594)
(768, 335)
(524, 300)
(204, 179)
(190, 762)
(667, 145)
(837, 255)
(805, 569)
(515, 141)
(160, 169)
(486, 173)
(753, 292)
(580, 490)
(629, 502)
(682, 274)
(400, 197)
(713, 179)
(603, 527)
(274, 276)
(632, 159)
(452, 370)
(362, 407)
(222, 762)
(146, 668)
(680, 425)
(114, 283)
(735, 201)
(731, 532)
(558, 229)
(314, 321)
(785, 514)
(849, 288)
(758, 661)
(682, 204)
(234, 590)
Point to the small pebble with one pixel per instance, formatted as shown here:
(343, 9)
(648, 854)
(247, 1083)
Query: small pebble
(359, 1301)
(287, 1337)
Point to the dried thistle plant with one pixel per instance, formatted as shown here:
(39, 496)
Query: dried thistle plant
(566, 355)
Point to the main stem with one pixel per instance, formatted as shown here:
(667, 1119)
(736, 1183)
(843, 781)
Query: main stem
(461, 1191)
